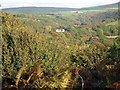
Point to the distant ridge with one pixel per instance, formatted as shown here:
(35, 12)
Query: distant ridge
(55, 9)
(36, 9)
(109, 6)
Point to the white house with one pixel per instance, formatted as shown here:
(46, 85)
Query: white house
(79, 12)
(60, 30)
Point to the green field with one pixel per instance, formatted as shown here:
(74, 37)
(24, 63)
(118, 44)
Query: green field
(112, 23)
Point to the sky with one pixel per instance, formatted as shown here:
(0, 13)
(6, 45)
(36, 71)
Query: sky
(54, 3)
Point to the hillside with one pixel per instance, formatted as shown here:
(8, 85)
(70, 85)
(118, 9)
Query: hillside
(83, 54)
(48, 59)
(54, 9)
(55, 20)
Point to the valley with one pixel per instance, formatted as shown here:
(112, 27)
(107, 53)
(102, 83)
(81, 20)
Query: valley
(60, 48)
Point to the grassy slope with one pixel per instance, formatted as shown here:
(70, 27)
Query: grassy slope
(112, 23)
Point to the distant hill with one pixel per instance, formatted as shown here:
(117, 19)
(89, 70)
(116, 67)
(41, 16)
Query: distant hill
(54, 9)
(109, 6)
(37, 9)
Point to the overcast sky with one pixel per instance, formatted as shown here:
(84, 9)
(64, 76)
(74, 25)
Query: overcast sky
(54, 3)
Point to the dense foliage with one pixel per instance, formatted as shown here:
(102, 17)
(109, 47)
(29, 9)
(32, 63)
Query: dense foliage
(35, 56)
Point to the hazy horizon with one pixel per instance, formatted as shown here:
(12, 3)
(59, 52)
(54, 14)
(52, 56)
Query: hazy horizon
(54, 3)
